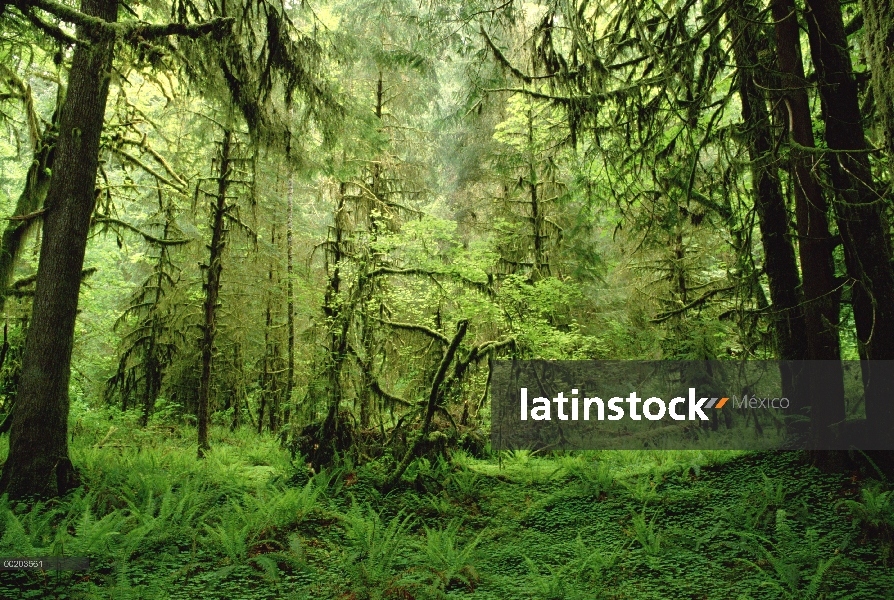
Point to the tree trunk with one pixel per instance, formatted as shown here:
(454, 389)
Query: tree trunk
(789, 329)
(290, 307)
(334, 311)
(271, 346)
(879, 45)
(815, 244)
(434, 399)
(153, 362)
(238, 388)
(37, 183)
(38, 462)
(859, 209)
(541, 268)
(212, 289)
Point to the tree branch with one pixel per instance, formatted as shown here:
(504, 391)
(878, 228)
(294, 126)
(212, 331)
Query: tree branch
(480, 286)
(128, 30)
(501, 58)
(50, 29)
(104, 220)
(697, 302)
(161, 159)
(433, 398)
(148, 169)
(418, 328)
(27, 217)
(147, 31)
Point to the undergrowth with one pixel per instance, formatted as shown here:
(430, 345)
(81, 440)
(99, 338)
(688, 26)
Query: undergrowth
(248, 522)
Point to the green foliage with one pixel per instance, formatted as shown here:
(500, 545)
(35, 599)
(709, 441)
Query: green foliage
(374, 551)
(582, 575)
(647, 533)
(875, 509)
(450, 563)
(593, 478)
(234, 525)
(874, 514)
(465, 485)
(797, 563)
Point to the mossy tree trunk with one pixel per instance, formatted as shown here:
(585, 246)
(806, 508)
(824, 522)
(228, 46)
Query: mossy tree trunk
(815, 244)
(879, 45)
(38, 462)
(789, 329)
(860, 208)
(212, 284)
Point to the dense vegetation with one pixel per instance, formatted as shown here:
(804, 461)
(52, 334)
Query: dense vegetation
(258, 254)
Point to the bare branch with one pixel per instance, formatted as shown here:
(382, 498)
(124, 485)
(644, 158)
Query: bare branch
(697, 302)
(104, 220)
(148, 169)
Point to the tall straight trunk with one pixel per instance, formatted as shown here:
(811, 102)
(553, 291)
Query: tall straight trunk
(270, 388)
(272, 345)
(290, 306)
(789, 328)
(537, 218)
(879, 45)
(238, 388)
(859, 209)
(212, 288)
(333, 310)
(38, 462)
(821, 308)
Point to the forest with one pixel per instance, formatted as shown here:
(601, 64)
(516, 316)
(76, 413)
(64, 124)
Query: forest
(259, 256)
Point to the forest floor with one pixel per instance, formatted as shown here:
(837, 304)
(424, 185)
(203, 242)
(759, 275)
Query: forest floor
(248, 523)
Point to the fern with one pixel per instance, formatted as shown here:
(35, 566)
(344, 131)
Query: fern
(797, 562)
(450, 562)
(374, 550)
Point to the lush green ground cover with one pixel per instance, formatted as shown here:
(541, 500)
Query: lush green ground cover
(248, 523)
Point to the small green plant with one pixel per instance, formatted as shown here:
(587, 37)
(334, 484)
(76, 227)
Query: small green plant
(517, 458)
(580, 577)
(754, 510)
(593, 478)
(874, 513)
(875, 510)
(461, 459)
(796, 564)
(449, 562)
(646, 533)
(439, 504)
(465, 485)
(644, 489)
(374, 552)
(774, 491)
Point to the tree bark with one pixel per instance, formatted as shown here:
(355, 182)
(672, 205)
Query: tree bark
(212, 290)
(290, 307)
(879, 45)
(334, 310)
(434, 399)
(38, 462)
(859, 209)
(789, 327)
(37, 183)
(821, 308)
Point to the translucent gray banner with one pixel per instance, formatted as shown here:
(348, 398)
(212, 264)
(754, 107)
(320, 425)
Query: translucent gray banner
(677, 405)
